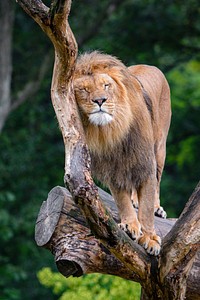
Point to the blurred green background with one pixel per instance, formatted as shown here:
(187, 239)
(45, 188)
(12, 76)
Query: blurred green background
(161, 33)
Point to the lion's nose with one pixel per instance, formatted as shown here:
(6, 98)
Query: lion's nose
(100, 101)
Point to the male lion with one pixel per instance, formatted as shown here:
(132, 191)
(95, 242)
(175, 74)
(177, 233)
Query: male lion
(126, 116)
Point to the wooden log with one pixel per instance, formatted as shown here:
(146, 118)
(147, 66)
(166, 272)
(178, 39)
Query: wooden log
(69, 238)
(62, 228)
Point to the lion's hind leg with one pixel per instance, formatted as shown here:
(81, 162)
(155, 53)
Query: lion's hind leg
(134, 198)
(160, 161)
(149, 240)
(159, 210)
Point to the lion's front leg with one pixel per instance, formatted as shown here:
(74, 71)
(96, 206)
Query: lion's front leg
(129, 221)
(150, 240)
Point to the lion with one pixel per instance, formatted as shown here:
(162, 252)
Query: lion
(126, 115)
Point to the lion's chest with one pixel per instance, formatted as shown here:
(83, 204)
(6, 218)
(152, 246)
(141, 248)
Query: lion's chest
(128, 164)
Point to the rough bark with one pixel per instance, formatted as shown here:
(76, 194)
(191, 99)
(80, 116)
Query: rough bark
(63, 230)
(161, 278)
(182, 251)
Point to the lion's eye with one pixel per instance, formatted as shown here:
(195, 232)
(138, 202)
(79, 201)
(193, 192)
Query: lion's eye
(106, 86)
(84, 89)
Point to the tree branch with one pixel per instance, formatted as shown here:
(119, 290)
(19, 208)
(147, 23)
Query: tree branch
(184, 238)
(180, 247)
(63, 230)
(36, 9)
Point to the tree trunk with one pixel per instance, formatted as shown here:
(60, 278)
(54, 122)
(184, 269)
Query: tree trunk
(163, 277)
(6, 27)
(7, 103)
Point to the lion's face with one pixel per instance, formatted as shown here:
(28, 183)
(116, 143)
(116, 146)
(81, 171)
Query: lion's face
(104, 94)
(95, 97)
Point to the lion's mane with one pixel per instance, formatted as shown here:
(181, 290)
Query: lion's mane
(101, 139)
(129, 136)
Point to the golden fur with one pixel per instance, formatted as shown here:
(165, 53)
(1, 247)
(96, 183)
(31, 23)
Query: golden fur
(126, 116)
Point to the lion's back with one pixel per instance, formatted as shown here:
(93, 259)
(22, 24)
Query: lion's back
(151, 79)
(155, 85)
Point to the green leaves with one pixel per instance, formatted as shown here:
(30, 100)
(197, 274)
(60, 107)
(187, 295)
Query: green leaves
(89, 287)
(182, 164)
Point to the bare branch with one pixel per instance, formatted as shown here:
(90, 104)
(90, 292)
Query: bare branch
(35, 9)
(184, 238)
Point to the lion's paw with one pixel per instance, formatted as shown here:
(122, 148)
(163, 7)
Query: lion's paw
(160, 212)
(135, 204)
(151, 243)
(133, 229)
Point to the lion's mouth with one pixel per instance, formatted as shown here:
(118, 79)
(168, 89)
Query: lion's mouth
(100, 117)
(101, 111)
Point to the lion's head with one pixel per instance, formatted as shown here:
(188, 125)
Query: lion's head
(96, 97)
(103, 88)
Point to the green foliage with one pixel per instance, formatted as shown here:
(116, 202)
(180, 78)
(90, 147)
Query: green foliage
(29, 172)
(89, 287)
(163, 33)
(182, 166)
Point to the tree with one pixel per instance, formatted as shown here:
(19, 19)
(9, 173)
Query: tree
(162, 279)
(7, 103)
(63, 230)
(6, 23)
